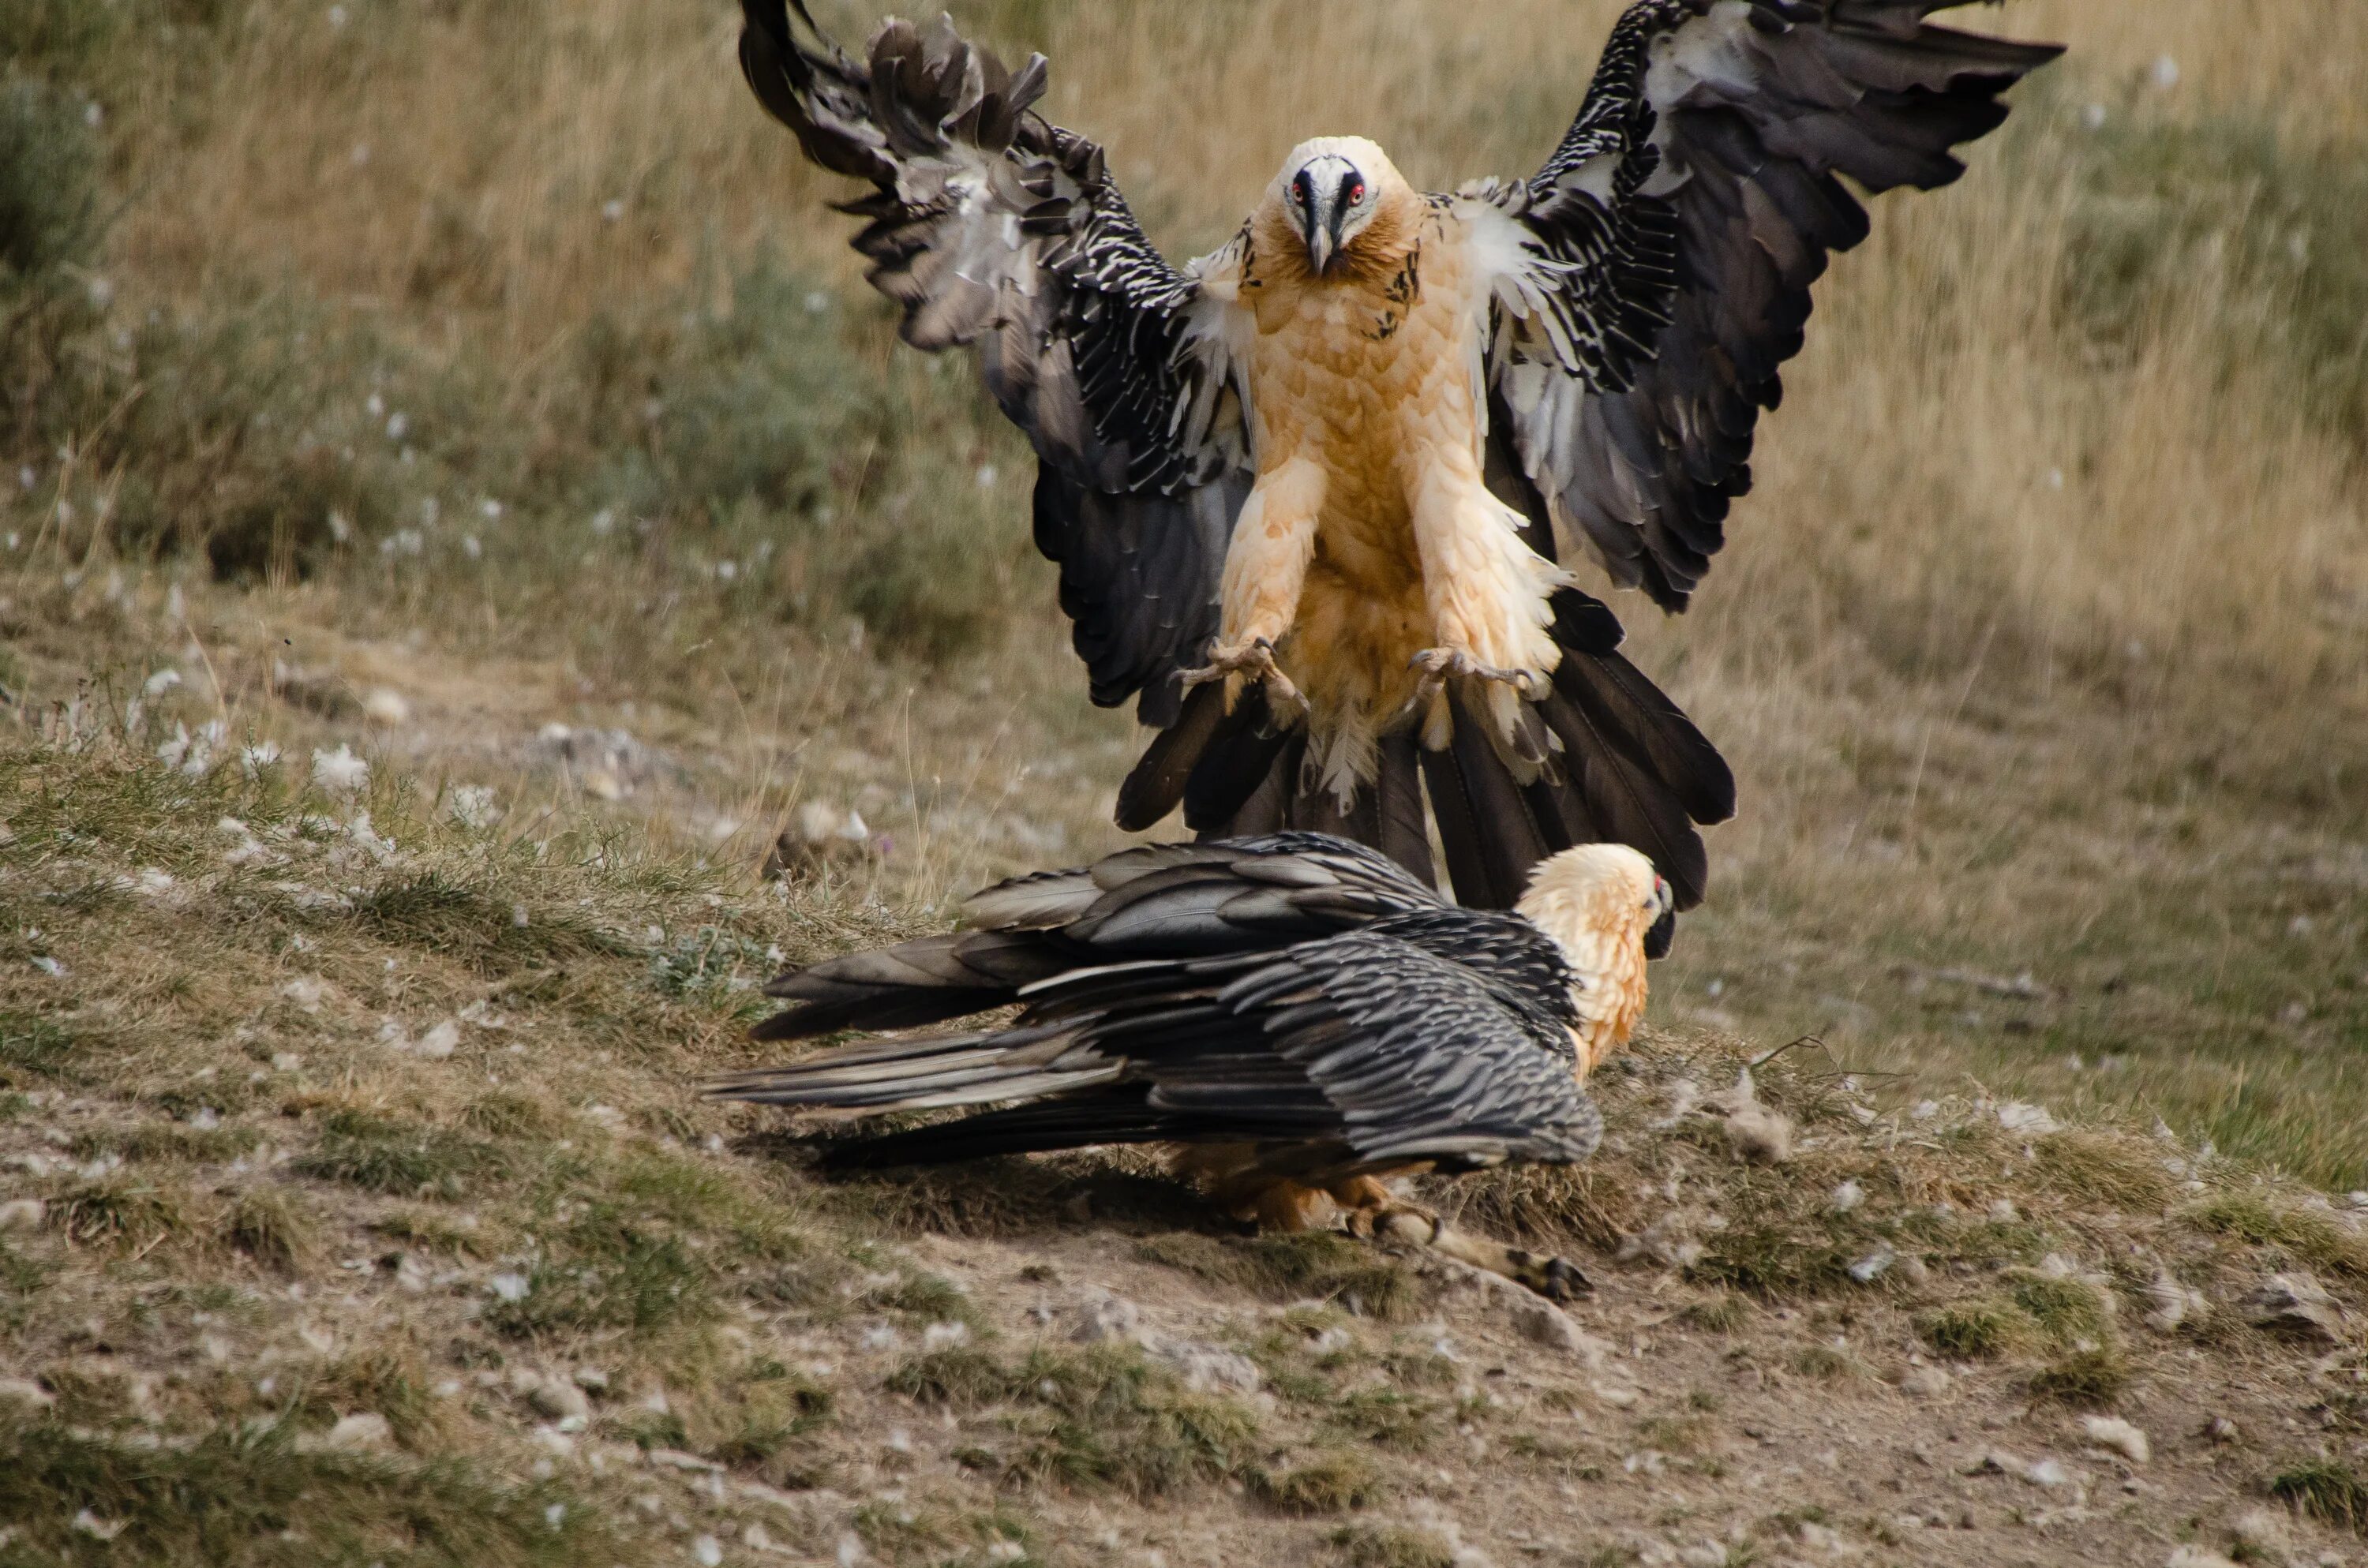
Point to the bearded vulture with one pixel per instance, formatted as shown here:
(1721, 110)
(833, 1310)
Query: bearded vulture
(1316, 497)
(1297, 1015)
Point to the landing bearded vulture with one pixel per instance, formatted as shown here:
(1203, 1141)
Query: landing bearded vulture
(1316, 497)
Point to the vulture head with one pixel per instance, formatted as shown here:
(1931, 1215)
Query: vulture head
(1343, 199)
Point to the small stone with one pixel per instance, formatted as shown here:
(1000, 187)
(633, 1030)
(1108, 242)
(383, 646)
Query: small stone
(591, 1380)
(2198, 1557)
(23, 1214)
(2297, 1305)
(2221, 1430)
(1205, 1369)
(706, 1551)
(1616, 1395)
(1542, 1323)
(1924, 1382)
(2121, 1437)
(558, 1399)
(363, 1429)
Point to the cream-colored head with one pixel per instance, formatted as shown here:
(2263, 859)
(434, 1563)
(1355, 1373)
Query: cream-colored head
(1343, 200)
(1609, 911)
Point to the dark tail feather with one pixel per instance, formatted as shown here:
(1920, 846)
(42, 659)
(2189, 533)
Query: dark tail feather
(1405, 831)
(927, 981)
(1078, 1122)
(1485, 822)
(1248, 791)
(1156, 786)
(1619, 698)
(1607, 793)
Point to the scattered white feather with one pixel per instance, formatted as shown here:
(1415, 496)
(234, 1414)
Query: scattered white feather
(340, 772)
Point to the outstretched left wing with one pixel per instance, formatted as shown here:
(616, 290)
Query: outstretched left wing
(995, 229)
(1654, 277)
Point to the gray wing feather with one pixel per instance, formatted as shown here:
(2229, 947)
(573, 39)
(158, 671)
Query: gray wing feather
(994, 229)
(1673, 240)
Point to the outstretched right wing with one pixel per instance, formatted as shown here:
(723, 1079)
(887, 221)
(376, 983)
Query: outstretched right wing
(995, 229)
(1659, 265)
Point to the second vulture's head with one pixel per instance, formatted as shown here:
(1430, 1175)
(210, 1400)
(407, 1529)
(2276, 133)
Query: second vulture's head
(1609, 911)
(1342, 198)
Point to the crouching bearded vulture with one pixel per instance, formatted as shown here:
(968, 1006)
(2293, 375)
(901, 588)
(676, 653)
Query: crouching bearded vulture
(1315, 499)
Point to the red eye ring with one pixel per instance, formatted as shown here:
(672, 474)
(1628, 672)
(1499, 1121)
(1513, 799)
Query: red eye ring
(1357, 192)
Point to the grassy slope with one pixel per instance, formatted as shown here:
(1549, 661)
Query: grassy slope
(335, 1110)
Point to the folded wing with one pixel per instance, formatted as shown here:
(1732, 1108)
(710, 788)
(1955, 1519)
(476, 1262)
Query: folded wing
(1363, 1050)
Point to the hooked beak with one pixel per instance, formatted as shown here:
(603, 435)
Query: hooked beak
(1663, 934)
(1322, 215)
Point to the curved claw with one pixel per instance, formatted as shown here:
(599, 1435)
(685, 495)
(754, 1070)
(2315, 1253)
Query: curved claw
(1254, 659)
(1439, 664)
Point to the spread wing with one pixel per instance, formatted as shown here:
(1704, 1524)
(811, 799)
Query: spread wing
(1654, 277)
(995, 229)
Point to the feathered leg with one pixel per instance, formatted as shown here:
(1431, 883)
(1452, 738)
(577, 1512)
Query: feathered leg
(1266, 571)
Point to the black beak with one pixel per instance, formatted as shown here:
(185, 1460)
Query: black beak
(1664, 932)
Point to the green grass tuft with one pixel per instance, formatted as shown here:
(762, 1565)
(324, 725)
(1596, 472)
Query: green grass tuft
(611, 1269)
(1103, 1419)
(1978, 1330)
(272, 1228)
(2309, 1236)
(120, 1212)
(1377, 1546)
(2091, 1378)
(1331, 1482)
(401, 1159)
(34, 1050)
(2327, 1490)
